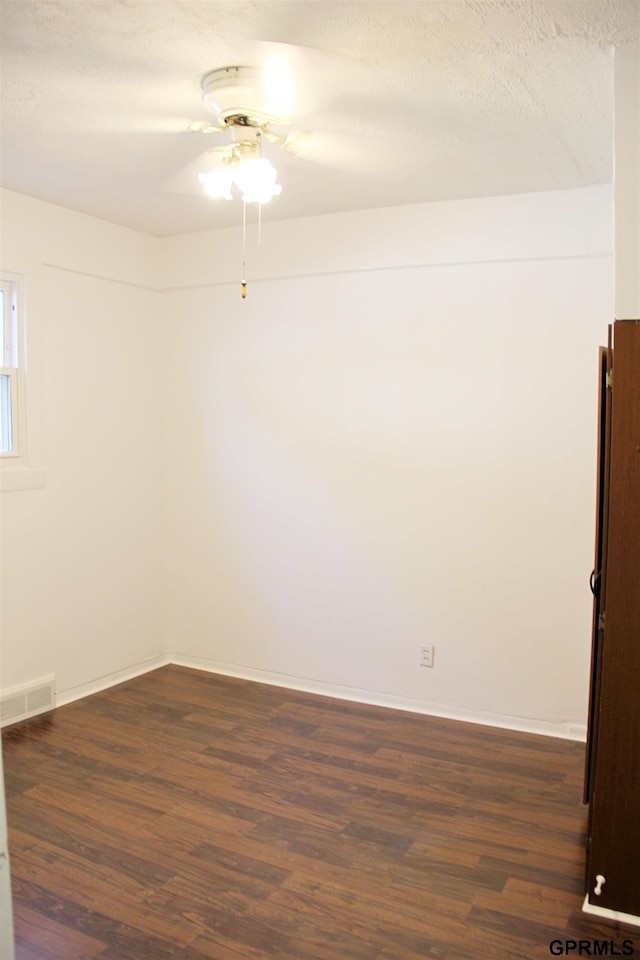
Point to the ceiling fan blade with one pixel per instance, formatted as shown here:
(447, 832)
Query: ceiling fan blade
(329, 149)
(203, 126)
(185, 180)
(299, 80)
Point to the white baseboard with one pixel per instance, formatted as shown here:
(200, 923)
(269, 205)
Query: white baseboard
(609, 914)
(577, 731)
(564, 731)
(111, 679)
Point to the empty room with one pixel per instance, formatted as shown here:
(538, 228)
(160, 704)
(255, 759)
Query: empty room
(320, 479)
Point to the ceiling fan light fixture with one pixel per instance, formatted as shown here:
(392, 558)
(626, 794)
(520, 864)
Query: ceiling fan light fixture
(255, 177)
(218, 183)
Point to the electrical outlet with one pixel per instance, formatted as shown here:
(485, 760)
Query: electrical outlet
(426, 654)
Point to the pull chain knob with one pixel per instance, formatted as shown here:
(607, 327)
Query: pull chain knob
(600, 881)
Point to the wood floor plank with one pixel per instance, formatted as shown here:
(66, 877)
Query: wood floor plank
(99, 889)
(519, 897)
(46, 933)
(193, 816)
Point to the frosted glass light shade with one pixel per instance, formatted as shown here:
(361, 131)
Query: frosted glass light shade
(255, 177)
(217, 183)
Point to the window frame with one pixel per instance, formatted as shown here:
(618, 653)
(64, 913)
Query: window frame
(11, 353)
(14, 420)
(22, 466)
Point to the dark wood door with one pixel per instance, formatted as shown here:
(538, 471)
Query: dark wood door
(615, 792)
(599, 574)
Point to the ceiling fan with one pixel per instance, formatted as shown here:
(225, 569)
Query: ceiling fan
(248, 102)
(254, 105)
(245, 105)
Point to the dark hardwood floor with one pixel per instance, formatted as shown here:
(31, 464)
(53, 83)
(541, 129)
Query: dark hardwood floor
(189, 815)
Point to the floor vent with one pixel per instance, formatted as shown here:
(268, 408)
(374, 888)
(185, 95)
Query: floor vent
(28, 700)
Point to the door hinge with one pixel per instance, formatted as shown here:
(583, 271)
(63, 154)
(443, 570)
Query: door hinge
(609, 380)
(601, 621)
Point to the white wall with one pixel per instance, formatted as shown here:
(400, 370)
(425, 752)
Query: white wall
(392, 441)
(82, 565)
(626, 180)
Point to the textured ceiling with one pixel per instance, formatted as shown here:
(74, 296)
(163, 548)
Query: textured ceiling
(417, 101)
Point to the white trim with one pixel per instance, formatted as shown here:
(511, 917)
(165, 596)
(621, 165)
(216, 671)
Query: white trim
(22, 478)
(560, 224)
(9, 348)
(111, 679)
(25, 471)
(404, 267)
(609, 914)
(564, 731)
(561, 730)
(14, 417)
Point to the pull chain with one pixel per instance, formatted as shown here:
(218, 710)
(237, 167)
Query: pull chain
(260, 205)
(243, 285)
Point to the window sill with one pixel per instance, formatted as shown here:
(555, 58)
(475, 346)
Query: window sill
(22, 478)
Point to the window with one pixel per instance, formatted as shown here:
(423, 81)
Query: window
(9, 389)
(21, 439)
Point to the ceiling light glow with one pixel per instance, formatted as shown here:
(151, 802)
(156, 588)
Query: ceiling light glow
(218, 183)
(255, 178)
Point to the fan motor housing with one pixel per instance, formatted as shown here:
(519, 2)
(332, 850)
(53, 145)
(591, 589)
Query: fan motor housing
(236, 95)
